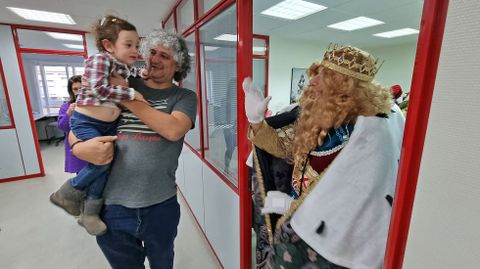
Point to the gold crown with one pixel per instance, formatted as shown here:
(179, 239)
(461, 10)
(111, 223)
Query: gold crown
(351, 61)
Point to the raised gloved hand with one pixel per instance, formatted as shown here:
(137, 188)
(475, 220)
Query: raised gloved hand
(255, 103)
(277, 202)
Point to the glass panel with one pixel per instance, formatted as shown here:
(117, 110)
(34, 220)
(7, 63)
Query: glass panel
(185, 15)
(50, 40)
(220, 93)
(5, 119)
(46, 77)
(170, 25)
(259, 73)
(190, 82)
(205, 6)
(259, 46)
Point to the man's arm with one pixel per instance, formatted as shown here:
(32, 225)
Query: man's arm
(98, 150)
(170, 126)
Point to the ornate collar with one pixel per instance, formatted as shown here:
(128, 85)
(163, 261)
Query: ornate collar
(335, 140)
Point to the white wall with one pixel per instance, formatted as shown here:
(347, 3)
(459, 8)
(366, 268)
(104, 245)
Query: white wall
(286, 54)
(444, 230)
(214, 204)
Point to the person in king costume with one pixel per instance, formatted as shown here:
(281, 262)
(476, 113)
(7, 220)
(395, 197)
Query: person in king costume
(325, 172)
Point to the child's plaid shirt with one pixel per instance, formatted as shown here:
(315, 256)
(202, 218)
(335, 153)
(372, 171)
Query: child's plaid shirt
(96, 89)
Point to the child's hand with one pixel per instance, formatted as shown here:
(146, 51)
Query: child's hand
(144, 74)
(139, 97)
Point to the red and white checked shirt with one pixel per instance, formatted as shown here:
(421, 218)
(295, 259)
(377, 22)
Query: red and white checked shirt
(96, 89)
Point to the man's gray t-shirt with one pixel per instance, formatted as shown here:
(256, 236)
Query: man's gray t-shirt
(143, 170)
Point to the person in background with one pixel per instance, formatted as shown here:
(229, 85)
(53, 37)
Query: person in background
(72, 163)
(141, 208)
(96, 113)
(345, 147)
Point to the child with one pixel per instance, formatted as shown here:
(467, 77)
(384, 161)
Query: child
(96, 114)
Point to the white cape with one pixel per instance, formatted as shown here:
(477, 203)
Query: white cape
(350, 199)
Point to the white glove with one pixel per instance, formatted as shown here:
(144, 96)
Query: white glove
(277, 202)
(255, 103)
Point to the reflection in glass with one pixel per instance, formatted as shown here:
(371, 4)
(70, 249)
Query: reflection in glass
(190, 82)
(5, 119)
(220, 93)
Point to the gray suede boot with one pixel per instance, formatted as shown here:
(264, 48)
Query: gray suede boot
(90, 218)
(68, 198)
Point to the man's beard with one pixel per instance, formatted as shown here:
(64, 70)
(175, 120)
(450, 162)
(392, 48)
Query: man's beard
(319, 113)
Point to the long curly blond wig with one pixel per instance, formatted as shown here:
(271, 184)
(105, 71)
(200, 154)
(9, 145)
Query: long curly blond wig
(331, 100)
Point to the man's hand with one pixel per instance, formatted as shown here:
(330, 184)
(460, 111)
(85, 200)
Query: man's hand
(277, 202)
(116, 79)
(98, 150)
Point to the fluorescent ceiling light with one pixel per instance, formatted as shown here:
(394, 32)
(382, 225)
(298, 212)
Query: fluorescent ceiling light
(39, 15)
(259, 49)
(293, 9)
(396, 33)
(210, 48)
(355, 24)
(64, 36)
(74, 46)
(226, 37)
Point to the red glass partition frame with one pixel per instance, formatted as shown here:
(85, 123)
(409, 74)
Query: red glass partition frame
(7, 99)
(423, 82)
(24, 82)
(244, 69)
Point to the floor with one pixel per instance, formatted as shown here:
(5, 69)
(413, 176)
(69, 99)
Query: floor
(36, 235)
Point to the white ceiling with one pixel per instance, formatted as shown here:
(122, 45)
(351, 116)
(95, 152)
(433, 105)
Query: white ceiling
(395, 13)
(147, 15)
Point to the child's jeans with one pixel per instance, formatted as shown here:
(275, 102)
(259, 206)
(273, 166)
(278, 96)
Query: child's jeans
(91, 178)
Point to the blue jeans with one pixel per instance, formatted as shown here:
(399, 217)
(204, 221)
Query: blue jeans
(136, 233)
(91, 178)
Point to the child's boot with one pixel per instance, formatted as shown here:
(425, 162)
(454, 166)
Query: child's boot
(90, 217)
(68, 198)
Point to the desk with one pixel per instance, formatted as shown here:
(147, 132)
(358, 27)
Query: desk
(41, 123)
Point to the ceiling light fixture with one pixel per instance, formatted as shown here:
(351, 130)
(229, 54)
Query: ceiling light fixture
(226, 37)
(39, 15)
(397, 33)
(355, 24)
(293, 9)
(64, 36)
(74, 46)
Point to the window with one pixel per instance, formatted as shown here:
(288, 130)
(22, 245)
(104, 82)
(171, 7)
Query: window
(47, 79)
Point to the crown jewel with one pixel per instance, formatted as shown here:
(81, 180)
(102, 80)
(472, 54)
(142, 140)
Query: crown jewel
(351, 61)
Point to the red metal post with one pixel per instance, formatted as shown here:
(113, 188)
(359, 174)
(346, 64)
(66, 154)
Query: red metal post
(423, 82)
(244, 69)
